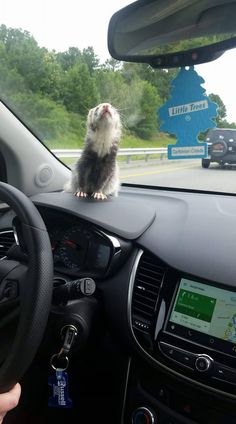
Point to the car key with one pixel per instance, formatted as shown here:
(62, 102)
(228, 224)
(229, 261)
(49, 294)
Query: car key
(59, 380)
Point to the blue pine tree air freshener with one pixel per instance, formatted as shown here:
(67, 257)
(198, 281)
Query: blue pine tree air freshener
(187, 113)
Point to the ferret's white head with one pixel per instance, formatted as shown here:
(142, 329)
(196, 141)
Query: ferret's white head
(103, 117)
(103, 128)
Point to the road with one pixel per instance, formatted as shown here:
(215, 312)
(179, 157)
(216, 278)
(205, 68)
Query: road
(181, 174)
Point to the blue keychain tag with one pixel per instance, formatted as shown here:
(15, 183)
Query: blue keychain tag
(60, 394)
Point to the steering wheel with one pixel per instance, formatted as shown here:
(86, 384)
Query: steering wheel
(25, 291)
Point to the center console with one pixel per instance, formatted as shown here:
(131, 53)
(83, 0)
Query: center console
(192, 330)
(189, 341)
(199, 331)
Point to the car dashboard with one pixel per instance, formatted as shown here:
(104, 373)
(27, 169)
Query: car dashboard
(164, 263)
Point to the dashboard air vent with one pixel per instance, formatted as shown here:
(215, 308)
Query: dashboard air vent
(148, 280)
(6, 241)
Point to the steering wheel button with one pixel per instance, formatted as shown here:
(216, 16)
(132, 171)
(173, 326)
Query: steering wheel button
(9, 290)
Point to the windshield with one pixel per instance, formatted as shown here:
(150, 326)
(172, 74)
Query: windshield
(55, 67)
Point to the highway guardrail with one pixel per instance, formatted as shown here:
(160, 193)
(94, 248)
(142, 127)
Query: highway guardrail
(129, 153)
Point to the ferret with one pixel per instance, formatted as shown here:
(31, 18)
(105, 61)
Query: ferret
(96, 172)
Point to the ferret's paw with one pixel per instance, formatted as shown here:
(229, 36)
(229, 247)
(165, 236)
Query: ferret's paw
(80, 194)
(99, 196)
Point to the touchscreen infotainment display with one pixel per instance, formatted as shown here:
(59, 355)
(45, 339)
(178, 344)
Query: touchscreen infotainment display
(204, 309)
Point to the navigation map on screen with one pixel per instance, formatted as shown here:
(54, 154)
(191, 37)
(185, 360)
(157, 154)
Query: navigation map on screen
(205, 308)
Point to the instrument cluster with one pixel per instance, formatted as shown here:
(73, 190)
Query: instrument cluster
(80, 250)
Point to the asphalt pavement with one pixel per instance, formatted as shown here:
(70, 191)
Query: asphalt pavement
(180, 174)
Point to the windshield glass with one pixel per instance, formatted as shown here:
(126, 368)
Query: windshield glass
(55, 67)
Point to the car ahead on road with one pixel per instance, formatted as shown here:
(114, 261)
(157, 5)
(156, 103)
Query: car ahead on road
(123, 310)
(221, 146)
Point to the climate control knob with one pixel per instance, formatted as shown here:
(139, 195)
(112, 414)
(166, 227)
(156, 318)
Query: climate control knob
(144, 415)
(203, 363)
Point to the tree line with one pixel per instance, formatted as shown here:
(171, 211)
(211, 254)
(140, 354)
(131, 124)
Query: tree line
(53, 91)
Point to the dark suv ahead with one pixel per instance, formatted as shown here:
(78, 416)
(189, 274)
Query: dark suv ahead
(221, 146)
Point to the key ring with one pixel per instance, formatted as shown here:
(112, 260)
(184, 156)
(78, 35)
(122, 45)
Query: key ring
(59, 358)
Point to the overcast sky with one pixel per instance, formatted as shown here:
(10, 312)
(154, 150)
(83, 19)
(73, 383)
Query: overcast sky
(220, 78)
(58, 25)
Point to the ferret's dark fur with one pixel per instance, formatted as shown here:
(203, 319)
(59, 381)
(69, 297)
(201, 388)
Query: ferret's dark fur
(96, 172)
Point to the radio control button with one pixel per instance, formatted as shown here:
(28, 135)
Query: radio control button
(178, 355)
(203, 363)
(224, 373)
(188, 359)
(168, 350)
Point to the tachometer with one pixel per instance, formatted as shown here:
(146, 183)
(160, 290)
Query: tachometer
(73, 248)
(55, 238)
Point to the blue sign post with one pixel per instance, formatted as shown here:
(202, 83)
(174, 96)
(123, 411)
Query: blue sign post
(187, 113)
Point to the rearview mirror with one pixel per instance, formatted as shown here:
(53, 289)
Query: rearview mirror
(173, 33)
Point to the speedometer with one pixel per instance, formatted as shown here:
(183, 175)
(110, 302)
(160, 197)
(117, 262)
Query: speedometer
(73, 248)
(55, 238)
